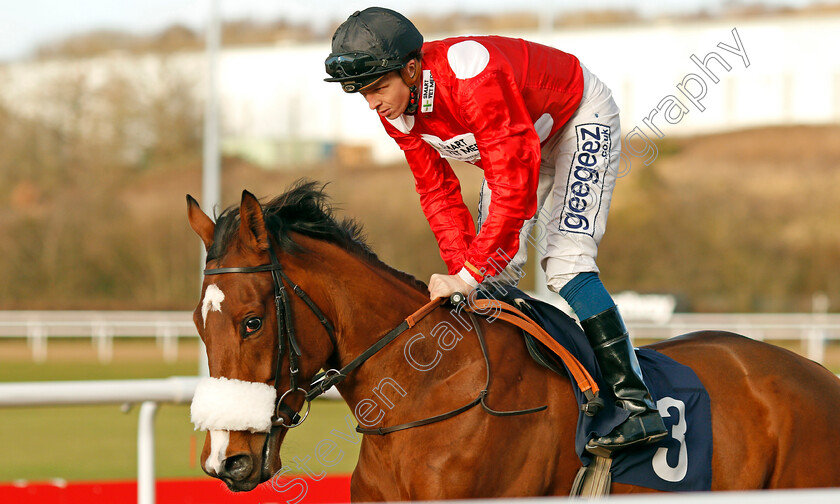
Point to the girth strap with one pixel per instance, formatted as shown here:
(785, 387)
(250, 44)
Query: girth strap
(593, 482)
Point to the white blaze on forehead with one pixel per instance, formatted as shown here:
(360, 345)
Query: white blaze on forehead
(213, 297)
(219, 440)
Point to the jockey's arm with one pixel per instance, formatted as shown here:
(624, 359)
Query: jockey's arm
(510, 153)
(510, 156)
(444, 208)
(440, 199)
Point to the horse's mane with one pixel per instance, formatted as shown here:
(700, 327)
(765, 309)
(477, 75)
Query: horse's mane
(305, 209)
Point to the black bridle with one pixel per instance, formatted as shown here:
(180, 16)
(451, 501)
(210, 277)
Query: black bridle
(286, 340)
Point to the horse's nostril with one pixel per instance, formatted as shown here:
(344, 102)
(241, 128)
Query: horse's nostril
(238, 467)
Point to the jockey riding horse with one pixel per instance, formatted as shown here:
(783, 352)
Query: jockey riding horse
(537, 122)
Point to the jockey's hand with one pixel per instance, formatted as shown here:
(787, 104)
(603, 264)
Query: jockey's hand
(444, 286)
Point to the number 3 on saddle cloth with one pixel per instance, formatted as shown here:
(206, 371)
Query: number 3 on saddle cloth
(680, 462)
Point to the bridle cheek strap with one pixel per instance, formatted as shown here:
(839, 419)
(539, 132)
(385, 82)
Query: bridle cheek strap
(286, 339)
(232, 405)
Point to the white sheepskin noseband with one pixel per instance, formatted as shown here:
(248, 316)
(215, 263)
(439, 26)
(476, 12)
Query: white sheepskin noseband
(232, 405)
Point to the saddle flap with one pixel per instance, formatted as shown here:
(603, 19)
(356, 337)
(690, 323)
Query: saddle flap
(512, 315)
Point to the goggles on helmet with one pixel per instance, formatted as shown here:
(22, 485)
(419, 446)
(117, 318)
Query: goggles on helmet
(357, 70)
(357, 64)
(368, 45)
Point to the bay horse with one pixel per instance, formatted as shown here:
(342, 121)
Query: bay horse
(290, 290)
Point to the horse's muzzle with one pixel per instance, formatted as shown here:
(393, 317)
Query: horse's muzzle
(237, 473)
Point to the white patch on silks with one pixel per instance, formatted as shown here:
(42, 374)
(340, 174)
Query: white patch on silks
(213, 297)
(232, 405)
(219, 440)
(467, 59)
(543, 126)
(403, 123)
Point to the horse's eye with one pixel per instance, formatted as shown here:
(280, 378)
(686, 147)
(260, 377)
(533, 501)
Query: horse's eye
(252, 325)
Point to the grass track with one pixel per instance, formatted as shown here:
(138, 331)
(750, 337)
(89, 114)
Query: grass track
(100, 442)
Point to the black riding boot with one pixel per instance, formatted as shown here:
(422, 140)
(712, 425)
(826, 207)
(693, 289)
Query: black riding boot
(620, 368)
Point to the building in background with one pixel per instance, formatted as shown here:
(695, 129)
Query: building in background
(276, 110)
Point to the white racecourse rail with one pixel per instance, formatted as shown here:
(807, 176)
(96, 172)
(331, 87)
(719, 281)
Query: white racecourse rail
(100, 326)
(149, 393)
(813, 330)
(181, 389)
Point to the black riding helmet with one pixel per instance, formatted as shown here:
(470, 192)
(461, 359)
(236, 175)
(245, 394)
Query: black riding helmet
(370, 44)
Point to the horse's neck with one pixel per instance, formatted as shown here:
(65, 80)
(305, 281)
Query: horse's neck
(371, 314)
(440, 365)
(364, 299)
(414, 365)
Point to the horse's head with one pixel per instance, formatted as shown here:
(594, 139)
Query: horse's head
(250, 317)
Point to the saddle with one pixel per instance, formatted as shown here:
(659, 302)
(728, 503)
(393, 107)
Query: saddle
(538, 350)
(550, 335)
(592, 481)
(543, 348)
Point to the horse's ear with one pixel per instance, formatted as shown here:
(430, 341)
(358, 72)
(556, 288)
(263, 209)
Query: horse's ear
(252, 228)
(200, 222)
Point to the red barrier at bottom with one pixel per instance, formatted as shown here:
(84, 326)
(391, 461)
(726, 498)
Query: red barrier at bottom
(302, 490)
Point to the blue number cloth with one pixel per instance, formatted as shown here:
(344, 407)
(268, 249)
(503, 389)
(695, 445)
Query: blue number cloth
(680, 462)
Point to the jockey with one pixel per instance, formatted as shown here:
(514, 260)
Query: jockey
(537, 122)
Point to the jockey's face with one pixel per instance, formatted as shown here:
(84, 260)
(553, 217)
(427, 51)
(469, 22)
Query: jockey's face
(388, 96)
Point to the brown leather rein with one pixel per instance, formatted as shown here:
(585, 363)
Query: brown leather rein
(287, 342)
(506, 312)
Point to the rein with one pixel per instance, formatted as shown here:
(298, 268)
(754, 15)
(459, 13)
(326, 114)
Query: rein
(481, 399)
(287, 341)
(323, 381)
(507, 313)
